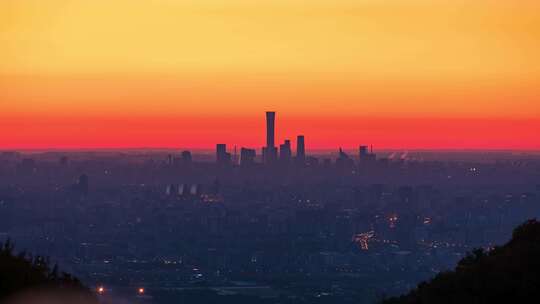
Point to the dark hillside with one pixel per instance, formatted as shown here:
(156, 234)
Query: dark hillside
(506, 274)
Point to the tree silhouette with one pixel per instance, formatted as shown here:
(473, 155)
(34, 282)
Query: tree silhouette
(506, 274)
(23, 272)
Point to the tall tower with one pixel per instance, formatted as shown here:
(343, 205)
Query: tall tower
(270, 151)
(300, 149)
(270, 129)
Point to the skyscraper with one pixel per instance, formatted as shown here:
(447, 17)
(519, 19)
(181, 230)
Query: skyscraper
(270, 151)
(300, 149)
(270, 128)
(285, 153)
(222, 157)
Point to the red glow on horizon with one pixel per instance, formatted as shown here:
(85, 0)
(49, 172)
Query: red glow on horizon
(321, 133)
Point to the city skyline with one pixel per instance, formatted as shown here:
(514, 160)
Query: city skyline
(269, 151)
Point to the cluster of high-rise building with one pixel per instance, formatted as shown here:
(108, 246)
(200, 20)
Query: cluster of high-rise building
(271, 154)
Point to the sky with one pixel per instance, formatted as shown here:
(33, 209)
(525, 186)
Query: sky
(417, 74)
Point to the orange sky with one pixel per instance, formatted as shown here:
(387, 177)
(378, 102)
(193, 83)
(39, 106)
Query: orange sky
(172, 73)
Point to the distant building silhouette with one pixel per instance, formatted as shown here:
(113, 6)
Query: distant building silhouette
(186, 158)
(223, 158)
(270, 129)
(171, 189)
(343, 160)
(181, 189)
(364, 156)
(235, 157)
(247, 157)
(285, 153)
(195, 190)
(270, 151)
(363, 152)
(300, 149)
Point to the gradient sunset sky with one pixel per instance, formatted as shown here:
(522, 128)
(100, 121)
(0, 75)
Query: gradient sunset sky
(410, 74)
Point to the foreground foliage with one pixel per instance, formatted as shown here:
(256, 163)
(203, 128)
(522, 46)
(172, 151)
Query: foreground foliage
(506, 274)
(23, 273)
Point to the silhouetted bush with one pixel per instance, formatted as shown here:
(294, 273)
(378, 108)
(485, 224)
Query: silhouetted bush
(24, 273)
(506, 274)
